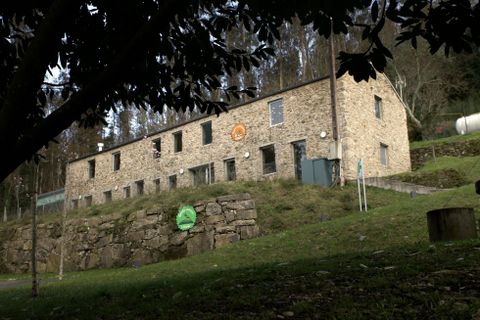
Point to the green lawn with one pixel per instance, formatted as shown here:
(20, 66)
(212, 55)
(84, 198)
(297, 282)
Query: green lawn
(375, 265)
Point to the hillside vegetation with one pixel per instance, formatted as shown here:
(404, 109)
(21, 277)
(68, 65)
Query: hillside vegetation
(374, 265)
(318, 258)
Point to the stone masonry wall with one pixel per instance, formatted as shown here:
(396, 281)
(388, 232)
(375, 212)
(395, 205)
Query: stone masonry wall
(362, 132)
(142, 237)
(306, 111)
(468, 148)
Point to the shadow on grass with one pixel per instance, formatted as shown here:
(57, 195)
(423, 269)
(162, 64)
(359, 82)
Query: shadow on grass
(421, 281)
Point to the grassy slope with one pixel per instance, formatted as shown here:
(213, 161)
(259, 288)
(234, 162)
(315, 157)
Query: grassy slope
(280, 204)
(376, 265)
(445, 172)
(456, 138)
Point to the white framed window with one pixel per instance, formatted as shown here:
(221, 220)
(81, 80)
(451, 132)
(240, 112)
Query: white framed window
(276, 112)
(383, 154)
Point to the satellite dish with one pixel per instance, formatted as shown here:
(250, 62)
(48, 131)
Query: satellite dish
(181, 171)
(247, 155)
(323, 134)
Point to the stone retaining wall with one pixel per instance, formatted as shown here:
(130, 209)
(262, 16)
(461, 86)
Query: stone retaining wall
(142, 237)
(455, 149)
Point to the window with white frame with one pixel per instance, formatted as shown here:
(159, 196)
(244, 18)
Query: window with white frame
(276, 112)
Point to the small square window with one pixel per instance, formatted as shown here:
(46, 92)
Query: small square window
(268, 157)
(139, 184)
(91, 169)
(156, 182)
(177, 141)
(126, 192)
(207, 132)
(383, 154)
(172, 181)
(116, 161)
(157, 148)
(107, 196)
(378, 107)
(75, 204)
(276, 112)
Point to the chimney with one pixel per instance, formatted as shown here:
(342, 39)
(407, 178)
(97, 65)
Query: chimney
(100, 146)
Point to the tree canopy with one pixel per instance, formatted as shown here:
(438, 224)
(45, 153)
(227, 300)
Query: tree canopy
(166, 53)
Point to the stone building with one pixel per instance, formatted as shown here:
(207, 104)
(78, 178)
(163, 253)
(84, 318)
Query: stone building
(264, 138)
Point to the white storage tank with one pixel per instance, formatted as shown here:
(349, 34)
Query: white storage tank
(468, 124)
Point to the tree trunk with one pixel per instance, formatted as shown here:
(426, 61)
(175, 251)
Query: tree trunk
(451, 224)
(34, 232)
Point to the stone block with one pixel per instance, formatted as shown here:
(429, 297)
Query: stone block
(156, 242)
(243, 222)
(141, 257)
(53, 262)
(248, 232)
(93, 261)
(178, 238)
(165, 229)
(104, 241)
(225, 229)
(174, 252)
(199, 207)
(151, 233)
(27, 246)
(112, 255)
(246, 214)
(230, 215)
(213, 208)
(214, 219)
(224, 239)
(199, 243)
(234, 197)
(136, 215)
(105, 226)
(241, 205)
(136, 236)
(46, 243)
(153, 211)
(197, 229)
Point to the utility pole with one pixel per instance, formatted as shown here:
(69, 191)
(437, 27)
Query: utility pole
(333, 99)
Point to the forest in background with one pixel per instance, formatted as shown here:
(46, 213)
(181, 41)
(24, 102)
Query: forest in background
(436, 90)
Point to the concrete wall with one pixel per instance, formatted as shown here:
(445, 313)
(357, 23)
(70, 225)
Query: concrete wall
(307, 112)
(142, 237)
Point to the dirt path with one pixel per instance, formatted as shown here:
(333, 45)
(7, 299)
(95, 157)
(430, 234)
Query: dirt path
(8, 284)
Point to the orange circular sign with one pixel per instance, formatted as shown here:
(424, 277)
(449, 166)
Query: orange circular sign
(238, 132)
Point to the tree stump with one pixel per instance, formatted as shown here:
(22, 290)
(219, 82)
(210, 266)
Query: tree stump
(477, 187)
(451, 224)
